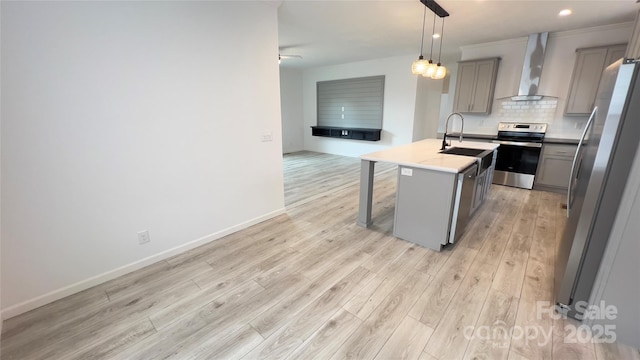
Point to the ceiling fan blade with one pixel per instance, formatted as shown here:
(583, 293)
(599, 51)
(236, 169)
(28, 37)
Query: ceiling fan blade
(283, 56)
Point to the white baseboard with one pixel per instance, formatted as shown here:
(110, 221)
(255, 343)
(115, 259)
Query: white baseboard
(112, 274)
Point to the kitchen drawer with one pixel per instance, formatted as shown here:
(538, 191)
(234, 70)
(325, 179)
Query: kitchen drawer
(559, 150)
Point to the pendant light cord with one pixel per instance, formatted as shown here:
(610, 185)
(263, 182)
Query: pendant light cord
(441, 38)
(433, 31)
(424, 16)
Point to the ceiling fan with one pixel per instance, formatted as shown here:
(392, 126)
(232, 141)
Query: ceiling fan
(288, 56)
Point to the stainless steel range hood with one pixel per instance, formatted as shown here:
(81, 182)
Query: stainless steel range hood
(532, 68)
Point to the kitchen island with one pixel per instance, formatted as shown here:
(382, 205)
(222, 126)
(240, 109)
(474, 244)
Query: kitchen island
(436, 193)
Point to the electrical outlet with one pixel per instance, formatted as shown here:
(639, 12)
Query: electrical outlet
(266, 136)
(143, 237)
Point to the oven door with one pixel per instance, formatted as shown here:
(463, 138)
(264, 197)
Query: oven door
(517, 163)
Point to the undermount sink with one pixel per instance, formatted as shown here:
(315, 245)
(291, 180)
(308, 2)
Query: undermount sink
(463, 151)
(485, 157)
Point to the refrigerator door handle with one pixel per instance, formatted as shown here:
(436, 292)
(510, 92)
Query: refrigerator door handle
(575, 158)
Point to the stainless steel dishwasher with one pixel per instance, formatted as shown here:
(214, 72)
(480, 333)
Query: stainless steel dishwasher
(466, 187)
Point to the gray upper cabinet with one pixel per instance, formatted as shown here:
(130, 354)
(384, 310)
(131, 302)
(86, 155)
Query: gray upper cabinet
(590, 63)
(475, 86)
(615, 53)
(464, 86)
(633, 50)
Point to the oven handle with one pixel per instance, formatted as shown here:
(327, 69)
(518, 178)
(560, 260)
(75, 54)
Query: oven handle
(575, 158)
(515, 143)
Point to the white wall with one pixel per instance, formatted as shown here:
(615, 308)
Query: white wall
(291, 100)
(399, 104)
(0, 198)
(124, 116)
(420, 110)
(555, 78)
(427, 108)
(446, 101)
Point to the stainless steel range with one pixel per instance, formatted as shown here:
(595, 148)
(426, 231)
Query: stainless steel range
(519, 153)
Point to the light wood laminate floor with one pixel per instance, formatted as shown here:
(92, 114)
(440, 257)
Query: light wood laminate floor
(312, 284)
(311, 174)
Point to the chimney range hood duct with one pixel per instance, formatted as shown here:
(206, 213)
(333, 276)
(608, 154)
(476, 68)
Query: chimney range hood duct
(532, 68)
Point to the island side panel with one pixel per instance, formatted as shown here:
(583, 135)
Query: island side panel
(366, 192)
(424, 204)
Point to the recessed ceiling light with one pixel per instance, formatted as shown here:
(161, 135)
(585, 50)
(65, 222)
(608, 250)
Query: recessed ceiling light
(565, 12)
(435, 36)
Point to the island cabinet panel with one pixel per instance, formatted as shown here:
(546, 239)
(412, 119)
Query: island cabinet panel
(475, 86)
(587, 71)
(555, 167)
(424, 206)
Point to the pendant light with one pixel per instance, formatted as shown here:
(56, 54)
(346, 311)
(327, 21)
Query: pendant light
(431, 67)
(440, 71)
(428, 68)
(419, 66)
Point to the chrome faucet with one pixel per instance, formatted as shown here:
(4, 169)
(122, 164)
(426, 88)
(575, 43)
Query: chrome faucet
(446, 126)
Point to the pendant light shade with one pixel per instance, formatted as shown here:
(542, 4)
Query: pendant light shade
(419, 66)
(440, 72)
(430, 71)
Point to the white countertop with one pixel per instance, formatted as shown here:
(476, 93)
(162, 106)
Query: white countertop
(425, 154)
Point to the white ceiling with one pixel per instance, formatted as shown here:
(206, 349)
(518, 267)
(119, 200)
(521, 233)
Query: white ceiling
(329, 32)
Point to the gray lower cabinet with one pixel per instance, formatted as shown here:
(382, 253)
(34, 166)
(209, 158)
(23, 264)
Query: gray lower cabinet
(483, 187)
(433, 207)
(479, 193)
(555, 167)
(490, 173)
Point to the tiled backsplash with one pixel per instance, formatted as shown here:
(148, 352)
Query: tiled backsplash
(548, 110)
(542, 111)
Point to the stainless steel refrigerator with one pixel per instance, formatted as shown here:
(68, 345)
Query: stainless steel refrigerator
(600, 170)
